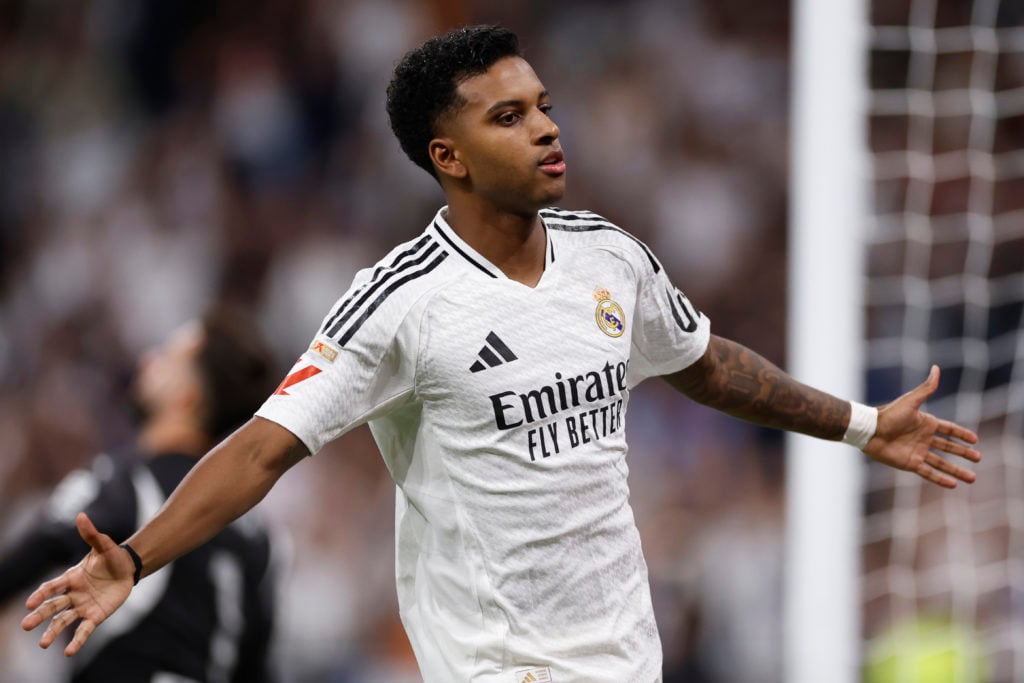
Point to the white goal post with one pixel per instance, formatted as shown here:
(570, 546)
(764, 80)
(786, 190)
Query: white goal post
(824, 336)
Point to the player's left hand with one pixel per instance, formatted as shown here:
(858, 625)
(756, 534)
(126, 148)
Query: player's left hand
(910, 439)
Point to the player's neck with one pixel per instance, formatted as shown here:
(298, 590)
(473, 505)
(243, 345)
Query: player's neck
(514, 243)
(172, 433)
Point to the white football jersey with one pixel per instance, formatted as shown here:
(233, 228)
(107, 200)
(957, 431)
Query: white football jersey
(499, 410)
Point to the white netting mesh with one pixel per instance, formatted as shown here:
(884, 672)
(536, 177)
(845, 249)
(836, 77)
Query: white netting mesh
(944, 571)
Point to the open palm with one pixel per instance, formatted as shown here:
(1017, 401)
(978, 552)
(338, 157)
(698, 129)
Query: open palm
(910, 439)
(90, 591)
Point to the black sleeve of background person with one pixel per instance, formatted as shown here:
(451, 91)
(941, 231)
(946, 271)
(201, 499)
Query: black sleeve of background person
(255, 662)
(181, 635)
(51, 545)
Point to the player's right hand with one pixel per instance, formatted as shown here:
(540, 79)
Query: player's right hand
(90, 591)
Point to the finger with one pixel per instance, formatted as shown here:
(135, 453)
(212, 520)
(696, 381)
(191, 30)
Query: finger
(46, 591)
(934, 476)
(954, 448)
(57, 626)
(943, 465)
(101, 543)
(45, 611)
(54, 605)
(82, 634)
(956, 431)
(926, 388)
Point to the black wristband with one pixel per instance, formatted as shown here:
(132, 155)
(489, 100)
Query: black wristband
(135, 559)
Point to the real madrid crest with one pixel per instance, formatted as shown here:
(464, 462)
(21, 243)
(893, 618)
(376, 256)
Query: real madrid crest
(610, 317)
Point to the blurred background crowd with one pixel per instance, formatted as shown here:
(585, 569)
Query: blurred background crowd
(158, 156)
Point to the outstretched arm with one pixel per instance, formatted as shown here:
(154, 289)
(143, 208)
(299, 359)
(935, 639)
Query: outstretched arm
(225, 484)
(737, 381)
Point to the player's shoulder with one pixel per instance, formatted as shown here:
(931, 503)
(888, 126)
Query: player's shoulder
(414, 259)
(387, 291)
(575, 220)
(579, 228)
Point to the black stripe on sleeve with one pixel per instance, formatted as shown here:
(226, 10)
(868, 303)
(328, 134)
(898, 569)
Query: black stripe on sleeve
(597, 223)
(376, 274)
(462, 253)
(368, 311)
(344, 304)
(370, 291)
(569, 216)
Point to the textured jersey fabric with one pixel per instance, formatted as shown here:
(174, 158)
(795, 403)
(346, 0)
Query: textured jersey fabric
(499, 410)
(206, 618)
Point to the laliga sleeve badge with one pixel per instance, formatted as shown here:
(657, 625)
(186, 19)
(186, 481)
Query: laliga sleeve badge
(610, 317)
(325, 350)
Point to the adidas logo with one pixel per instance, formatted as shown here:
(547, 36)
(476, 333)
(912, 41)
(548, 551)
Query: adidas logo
(529, 678)
(490, 353)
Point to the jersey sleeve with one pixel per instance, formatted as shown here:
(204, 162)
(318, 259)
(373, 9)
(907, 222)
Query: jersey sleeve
(103, 492)
(359, 366)
(669, 333)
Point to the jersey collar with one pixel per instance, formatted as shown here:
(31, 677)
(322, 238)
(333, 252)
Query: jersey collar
(471, 257)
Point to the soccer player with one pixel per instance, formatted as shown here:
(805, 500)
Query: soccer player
(493, 357)
(209, 616)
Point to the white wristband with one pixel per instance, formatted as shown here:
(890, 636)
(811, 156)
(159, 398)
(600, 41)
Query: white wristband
(863, 422)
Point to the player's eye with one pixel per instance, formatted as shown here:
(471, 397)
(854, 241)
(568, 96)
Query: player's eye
(508, 118)
(546, 109)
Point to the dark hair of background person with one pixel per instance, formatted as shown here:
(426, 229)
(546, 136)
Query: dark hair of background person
(237, 369)
(423, 86)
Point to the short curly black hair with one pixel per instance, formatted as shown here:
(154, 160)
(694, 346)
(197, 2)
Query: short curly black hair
(423, 85)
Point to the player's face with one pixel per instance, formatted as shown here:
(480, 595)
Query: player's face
(168, 376)
(506, 140)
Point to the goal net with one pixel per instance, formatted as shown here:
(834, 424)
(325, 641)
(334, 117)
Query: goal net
(943, 572)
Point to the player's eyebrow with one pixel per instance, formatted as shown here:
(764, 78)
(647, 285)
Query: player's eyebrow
(511, 103)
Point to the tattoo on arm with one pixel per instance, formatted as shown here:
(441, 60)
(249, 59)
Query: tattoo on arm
(737, 381)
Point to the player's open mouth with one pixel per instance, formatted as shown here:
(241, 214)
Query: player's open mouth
(553, 164)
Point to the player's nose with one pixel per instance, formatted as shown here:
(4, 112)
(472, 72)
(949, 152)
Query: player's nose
(546, 130)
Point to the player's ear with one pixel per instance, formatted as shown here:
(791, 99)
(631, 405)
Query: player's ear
(446, 158)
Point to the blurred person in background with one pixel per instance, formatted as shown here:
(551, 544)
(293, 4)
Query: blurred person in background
(515, 554)
(210, 615)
